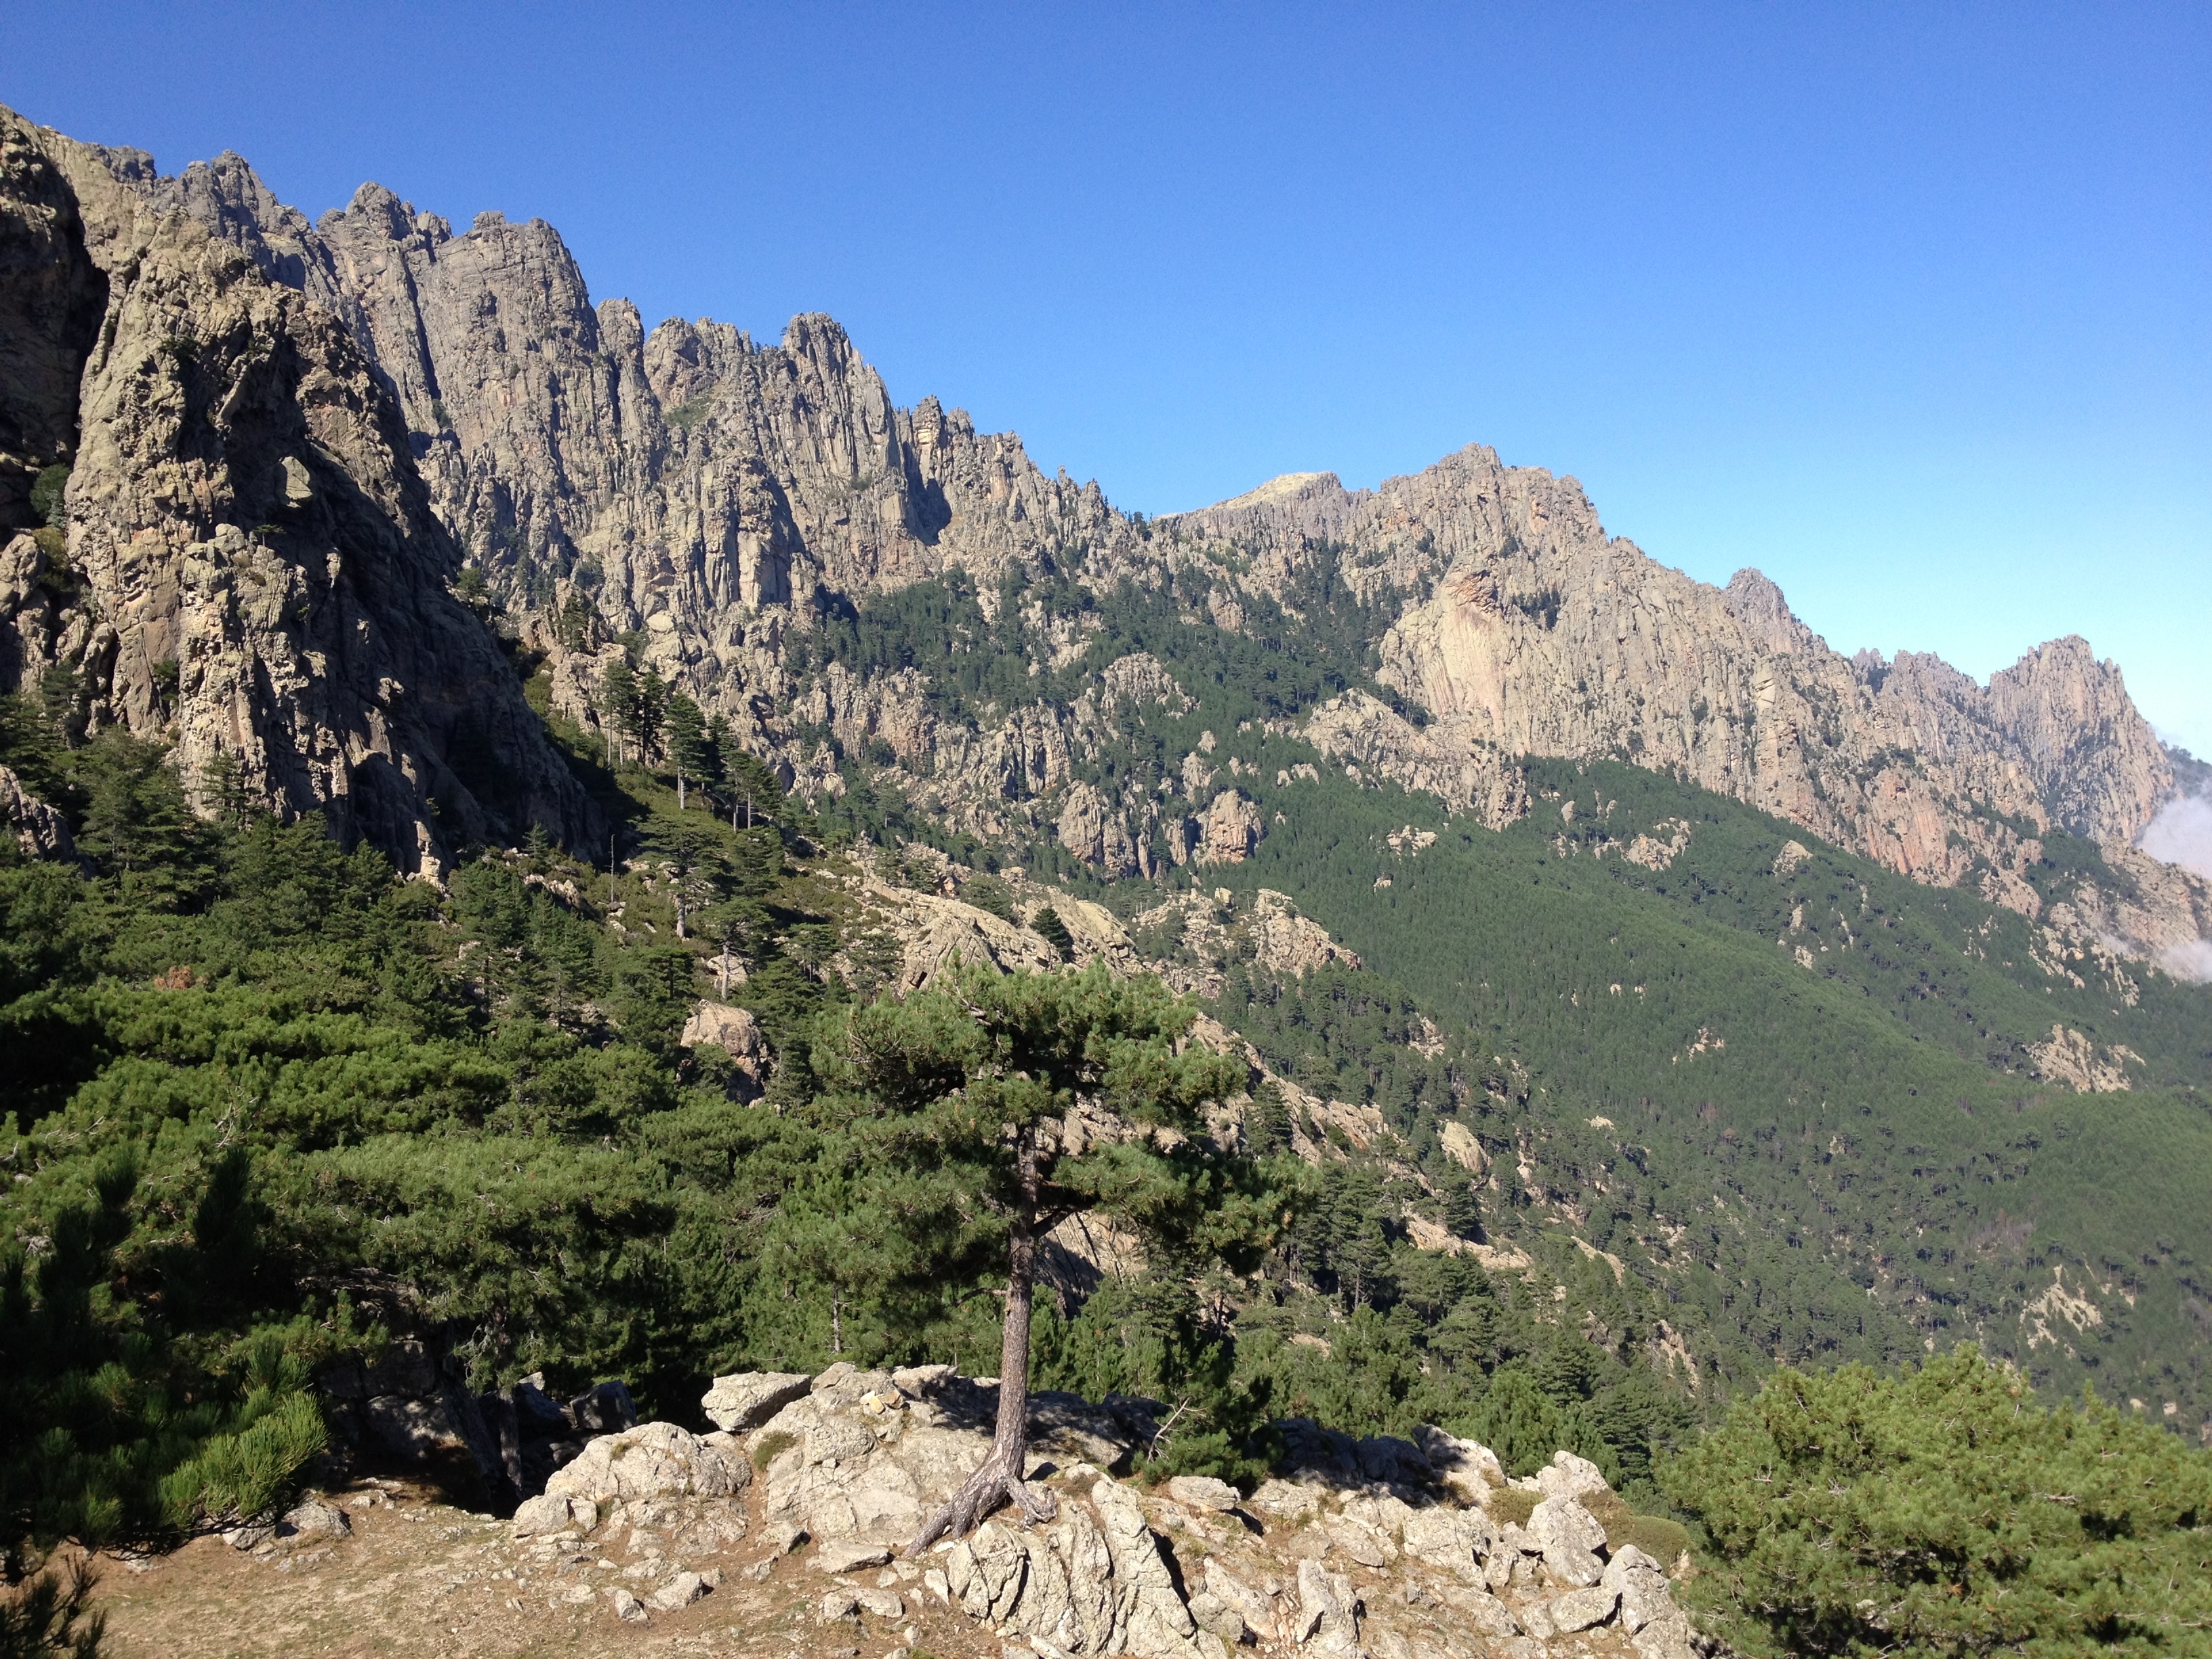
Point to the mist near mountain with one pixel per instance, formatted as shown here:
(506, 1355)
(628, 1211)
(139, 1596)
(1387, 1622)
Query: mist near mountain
(2181, 834)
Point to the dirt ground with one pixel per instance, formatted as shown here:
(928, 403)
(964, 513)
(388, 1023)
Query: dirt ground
(415, 1577)
(418, 1578)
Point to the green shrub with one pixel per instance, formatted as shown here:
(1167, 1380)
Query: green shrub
(1610, 1510)
(769, 1447)
(48, 495)
(1665, 1542)
(253, 1474)
(1940, 1511)
(1513, 1504)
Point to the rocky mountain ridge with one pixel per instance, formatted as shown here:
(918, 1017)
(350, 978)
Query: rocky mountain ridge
(248, 564)
(714, 501)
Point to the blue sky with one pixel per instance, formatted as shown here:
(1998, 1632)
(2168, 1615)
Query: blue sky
(1909, 306)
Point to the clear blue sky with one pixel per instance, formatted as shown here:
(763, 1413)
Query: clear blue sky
(1910, 305)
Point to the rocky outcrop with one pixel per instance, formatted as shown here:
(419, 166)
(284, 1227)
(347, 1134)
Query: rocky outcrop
(1379, 1546)
(40, 831)
(1452, 760)
(2071, 1059)
(1228, 830)
(696, 474)
(253, 570)
(409, 1408)
(1526, 629)
(736, 1034)
(1285, 942)
(51, 300)
(1199, 935)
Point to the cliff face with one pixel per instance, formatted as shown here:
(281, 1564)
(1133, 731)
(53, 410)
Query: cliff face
(718, 497)
(1525, 623)
(250, 567)
(689, 473)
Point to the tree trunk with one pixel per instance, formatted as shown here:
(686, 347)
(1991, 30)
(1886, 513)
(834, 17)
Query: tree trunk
(1000, 1475)
(679, 787)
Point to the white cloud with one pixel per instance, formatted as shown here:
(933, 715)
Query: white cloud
(2182, 834)
(2191, 962)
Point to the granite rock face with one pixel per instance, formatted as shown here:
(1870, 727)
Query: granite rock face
(715, 498)
(40, 831)
(1531, 631)
(251, 569)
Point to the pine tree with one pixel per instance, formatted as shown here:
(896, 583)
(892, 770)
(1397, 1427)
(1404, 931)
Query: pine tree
(714, 767)
(649, 713)
(687, 744)
(1267, 1124)
(966, 1088)
(617, 701)
(697, 871)
(1943, 1511)
(1463, 1212)
(754, 790)
(1048, 926)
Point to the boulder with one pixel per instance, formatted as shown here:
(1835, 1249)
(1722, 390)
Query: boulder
(547, 1513)
(1568, 1476)
(1454, 1539)
(1395, 1463)
(848, 1557)
(1467, 1469)
(885, 1604)
(627, 1608)
(417, 1430)
(1215, 1615)
(681, 1591)
(311, 1519)
(1363, 1543)
(1255, 1608)
(41, 830)
(1328, 1613)
(748, 1398)
(1579, 1609)
(1569, 1538)
(603, 1408)
(1316, 1455)
(655, 1460)
(736, 1034)
(1642, 1585)
(1484, 1611)
(1203, 1492)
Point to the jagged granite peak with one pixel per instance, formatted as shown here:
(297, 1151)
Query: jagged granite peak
(252, 568)
(687, 471)
(717, 494)
(1521, 619)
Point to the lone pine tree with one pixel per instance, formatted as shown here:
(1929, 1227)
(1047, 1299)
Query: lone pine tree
(1016, 1100)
